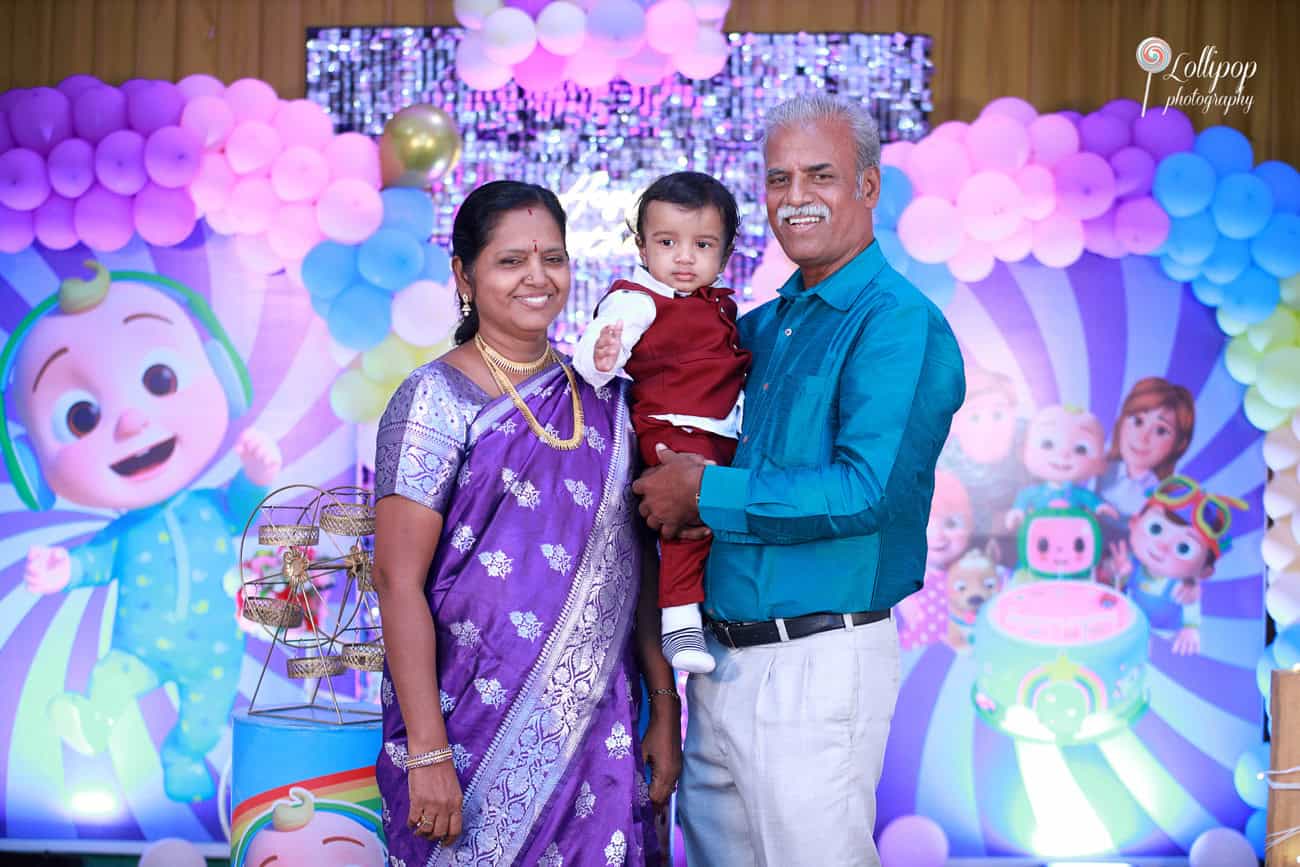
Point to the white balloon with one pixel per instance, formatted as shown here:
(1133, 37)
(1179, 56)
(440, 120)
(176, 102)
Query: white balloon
(1283, 603)
(172, 852)
(1281, 495)
(1222, 847)
(561, 27)
(1281, 448)
(475, 69)
(705, 57)
(470, 13)
(1295, 530)
(509, 35)
(1278, 547)
(424, 313)
(711, 10)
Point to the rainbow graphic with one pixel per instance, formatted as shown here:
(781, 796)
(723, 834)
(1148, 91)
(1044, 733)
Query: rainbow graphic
(352, 793)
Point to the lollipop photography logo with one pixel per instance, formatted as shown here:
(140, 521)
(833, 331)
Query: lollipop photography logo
(1198, 78)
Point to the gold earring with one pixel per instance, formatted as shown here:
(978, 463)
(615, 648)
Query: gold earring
(464, 306)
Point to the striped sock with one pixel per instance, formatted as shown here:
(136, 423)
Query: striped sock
(686, 651)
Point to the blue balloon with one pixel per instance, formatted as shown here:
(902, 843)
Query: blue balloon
(390, 259)
(1284, 182)
(1246, 776)
(1176, 270)
(1242, 205)
(409, 211)
(437, 264)
(1252, 297)
(329, 268)
(1207, 291)
(1184, 184)
(321, 304)
(1226, 149)
(895, 193)
(1191, 239)
(1286, 647)
(935, 281)
(360, 316)
(1264, 671)
(1277, 248)
(1229, 259)
(895, 255)
(1256, 831)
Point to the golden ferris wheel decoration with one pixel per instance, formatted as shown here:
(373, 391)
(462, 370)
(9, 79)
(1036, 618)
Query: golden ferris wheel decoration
(319, 535)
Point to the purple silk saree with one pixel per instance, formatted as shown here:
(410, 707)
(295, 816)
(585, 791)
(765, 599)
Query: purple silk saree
(533, 591)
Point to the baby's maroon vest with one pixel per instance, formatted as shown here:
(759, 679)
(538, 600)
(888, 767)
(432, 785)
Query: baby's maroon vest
(689, 361)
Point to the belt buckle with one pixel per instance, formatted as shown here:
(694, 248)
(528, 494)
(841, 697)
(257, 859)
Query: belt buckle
(726, 634)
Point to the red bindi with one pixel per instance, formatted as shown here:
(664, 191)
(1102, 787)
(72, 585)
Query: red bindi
(534, 246)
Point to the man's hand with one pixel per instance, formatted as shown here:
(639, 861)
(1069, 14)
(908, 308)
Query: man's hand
(669, 492)
(608, 345)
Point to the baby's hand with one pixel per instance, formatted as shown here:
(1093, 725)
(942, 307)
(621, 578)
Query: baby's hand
(48, 569)
(607, 346)
(260, 457)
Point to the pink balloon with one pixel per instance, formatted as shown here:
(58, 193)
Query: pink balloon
(299, 174)
(1037, 191)
(219, 221)
(97, 112)
(1013, 107)
(16, 230)
(41, 120)
(24, 184)
(353, 155)
(990, 204)
(72, 167)
(1141, 225)
(645, 68)
(666, 21)
(154, 107)
(972, 262)
(53, 223)
(163, 216)
(75, 85)
(897, 154)
(171, 156)
(212, 185)
(252, 205)
(1058, 240)
(1126, 110)
(1099, 236)
(1017, 245)
(1104, 134)
(252, 99)
(209, 119)
(294, 232)
(1134, 169)
(930, 229)
(590, 68)
(256, 254)
(542, 70)
(1052, 137)
(997, 141)
(938, 167)
(953, 130)
(1085, 185)
(1164, 132)
(103, 219)
(119, 162)
(349, 211)
(252, 147)
(198, 84)
(706, 58)
(302, 122)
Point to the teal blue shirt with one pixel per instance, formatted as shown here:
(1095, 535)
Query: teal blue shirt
(853, 386)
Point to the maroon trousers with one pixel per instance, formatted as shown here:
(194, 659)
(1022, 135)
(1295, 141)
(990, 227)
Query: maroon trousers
(681, 561)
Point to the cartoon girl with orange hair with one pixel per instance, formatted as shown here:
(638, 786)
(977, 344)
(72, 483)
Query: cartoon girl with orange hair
(1152, 433)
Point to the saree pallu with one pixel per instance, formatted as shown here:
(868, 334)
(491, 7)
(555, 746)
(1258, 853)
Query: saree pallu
(533, 592)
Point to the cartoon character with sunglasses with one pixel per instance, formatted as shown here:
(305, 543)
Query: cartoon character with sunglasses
(1173, 544)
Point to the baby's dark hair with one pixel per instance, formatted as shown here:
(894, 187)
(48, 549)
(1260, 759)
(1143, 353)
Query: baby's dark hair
(692, 190)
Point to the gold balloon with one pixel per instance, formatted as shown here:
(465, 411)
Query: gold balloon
(419, 145)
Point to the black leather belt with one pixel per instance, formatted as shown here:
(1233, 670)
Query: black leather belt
(739, 633)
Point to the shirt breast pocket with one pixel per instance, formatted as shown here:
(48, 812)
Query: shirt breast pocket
(800, 416)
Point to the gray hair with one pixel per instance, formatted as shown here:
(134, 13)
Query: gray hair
(819, 107)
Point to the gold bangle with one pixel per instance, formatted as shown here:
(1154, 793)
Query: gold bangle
(433, 757)
(665, 691)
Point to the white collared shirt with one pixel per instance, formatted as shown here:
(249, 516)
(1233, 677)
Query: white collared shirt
(637, 313)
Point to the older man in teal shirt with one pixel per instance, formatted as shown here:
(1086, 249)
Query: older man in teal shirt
(819, 524)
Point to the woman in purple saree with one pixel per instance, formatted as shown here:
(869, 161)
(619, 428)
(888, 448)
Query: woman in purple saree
(508, 563)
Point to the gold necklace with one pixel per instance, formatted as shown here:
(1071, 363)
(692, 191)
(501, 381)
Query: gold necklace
(494, 366)
(525, 368)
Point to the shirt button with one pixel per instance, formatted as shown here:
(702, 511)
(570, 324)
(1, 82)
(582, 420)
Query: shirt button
(789, 331)
(765, 386)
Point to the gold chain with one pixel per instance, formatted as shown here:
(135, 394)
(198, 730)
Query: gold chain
(526, 368)
(493, 361)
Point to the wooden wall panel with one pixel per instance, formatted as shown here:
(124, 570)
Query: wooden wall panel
(1058, 54)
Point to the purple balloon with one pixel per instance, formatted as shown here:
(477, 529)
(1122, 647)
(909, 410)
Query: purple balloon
(119, 162)
(1127, 110)
(1103, 134)
(53, 223)
(171, 156)
(103, 219)
(75, 85)
(532, 7)
(72, 167)
(1141, 225)
(24, 184)
(41, 121)
(1134, 169)
(131, 85)
(1099, 236)
(1165, 132)
(198, 84)
(154, 107)
(1072, 116)
(6, 140)
(163, 217)
(11, 98)
(16, 230)
(98, 112)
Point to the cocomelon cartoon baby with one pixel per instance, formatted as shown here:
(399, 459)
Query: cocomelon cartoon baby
(1173, 542)
(1063, 448)
(124, 404)
(924, 614)
(305, 831)
(1059, 542)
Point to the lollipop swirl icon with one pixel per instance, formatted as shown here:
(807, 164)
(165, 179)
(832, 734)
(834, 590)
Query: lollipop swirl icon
(1152, 56)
